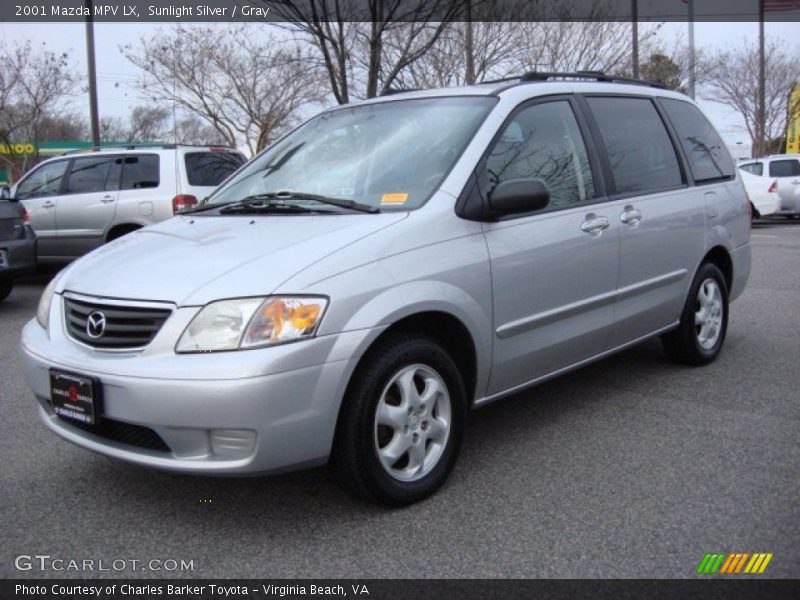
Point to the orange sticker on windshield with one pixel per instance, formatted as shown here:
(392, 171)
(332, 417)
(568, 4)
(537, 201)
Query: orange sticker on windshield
(397, 198)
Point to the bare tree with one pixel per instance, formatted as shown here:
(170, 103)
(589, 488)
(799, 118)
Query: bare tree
(193, 130)
(34, 82)
(244, 82)
(364, 46)
(733, 81)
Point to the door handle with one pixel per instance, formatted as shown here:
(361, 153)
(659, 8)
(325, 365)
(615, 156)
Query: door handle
(594, 224)
(48, 204)
(630, 216)
(107, 199)
(796, 182)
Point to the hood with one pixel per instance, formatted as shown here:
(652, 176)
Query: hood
(193, 260)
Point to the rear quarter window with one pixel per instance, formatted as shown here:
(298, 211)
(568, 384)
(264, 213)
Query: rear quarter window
(708, 157)
(754, 168)
(140, 171)
(211, 168)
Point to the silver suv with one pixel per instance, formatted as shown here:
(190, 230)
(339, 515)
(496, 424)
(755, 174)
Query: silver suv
(78, 202)
(386, 267)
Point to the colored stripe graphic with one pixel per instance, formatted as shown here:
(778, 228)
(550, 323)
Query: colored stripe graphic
(734, 562)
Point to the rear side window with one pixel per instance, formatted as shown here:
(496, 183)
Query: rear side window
(754, 168)
(784, 168)
(211, 168)
(44, 181)
(708, 157)
(544, 142)
(642, 157)
(140, 171)
(89, 175)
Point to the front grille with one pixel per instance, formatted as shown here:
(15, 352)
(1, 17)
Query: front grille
(125, 327)
(124, 433)
(11, 229)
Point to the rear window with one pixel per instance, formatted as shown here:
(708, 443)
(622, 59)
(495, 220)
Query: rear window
(784, 168)
(211, 168)
(708, 157)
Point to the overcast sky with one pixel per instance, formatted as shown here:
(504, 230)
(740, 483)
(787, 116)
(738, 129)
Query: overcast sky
(117, 77)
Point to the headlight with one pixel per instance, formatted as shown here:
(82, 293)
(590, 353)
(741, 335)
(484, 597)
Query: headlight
(252, 322)
(43, 311)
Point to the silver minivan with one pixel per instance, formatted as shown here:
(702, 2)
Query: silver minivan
(78, 202)
(353, 291)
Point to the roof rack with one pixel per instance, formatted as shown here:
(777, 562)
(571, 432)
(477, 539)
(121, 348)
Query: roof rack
(125, 146)
(393, 91)
(532, 76)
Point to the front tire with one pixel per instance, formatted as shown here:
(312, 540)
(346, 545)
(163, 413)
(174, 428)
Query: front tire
(402, 422)
(704, 320)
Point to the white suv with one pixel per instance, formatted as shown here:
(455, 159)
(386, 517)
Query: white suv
(783, 172)
(79, 202)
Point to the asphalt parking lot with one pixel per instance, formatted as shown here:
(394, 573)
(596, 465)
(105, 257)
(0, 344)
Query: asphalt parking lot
(631, 467)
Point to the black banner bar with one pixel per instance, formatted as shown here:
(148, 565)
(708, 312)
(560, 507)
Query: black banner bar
(734, 588)
(221, 11)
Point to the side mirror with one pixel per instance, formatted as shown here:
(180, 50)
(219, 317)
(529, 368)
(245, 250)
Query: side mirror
(518, 196)
(5, 193)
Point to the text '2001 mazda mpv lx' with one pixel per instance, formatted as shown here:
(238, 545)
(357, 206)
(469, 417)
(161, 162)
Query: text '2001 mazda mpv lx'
(356, 288)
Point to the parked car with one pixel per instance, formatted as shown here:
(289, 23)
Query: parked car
(785, 169)
(17, 245)
(763, 194)
(81, 201)
(487, 238)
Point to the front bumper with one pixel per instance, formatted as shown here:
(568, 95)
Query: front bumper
(229, 413)
(20, 255)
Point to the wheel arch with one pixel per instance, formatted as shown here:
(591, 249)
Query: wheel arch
(719, 256)
(121, 229)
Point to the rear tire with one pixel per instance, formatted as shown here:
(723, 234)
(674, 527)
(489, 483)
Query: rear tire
(6, 285)
(402, 422)
(699, 337)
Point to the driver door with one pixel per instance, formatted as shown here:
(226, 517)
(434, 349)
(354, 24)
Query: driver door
(554, 272)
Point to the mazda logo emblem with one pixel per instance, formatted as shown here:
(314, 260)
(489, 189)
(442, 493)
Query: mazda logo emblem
(95, 325)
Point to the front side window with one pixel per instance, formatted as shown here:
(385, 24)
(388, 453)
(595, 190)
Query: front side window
(387, 155)
(89, 174)
(44, 181)
(544, 142)
(709, 159)
(642, 157)
(784, 168)
(754, 168)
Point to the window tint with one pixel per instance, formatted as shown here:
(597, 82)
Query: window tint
(211, 168)
(44, 181)
(140, 171)
(784, 168)
(89, 174)
(544, 142)
(641, 153)
(754, 168)
(707, 154)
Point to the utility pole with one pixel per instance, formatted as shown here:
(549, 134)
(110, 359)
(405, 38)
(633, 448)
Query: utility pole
(469, 47)
(635, 34)
(92, 76)
(762, 99)
(692, 66)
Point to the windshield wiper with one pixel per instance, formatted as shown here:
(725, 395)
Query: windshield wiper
(262, 203)
(340, 202)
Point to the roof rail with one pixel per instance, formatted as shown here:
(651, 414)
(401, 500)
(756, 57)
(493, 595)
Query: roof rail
(534, 76)
(393, 91)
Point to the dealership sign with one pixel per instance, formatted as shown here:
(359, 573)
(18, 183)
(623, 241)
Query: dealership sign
(23, 148)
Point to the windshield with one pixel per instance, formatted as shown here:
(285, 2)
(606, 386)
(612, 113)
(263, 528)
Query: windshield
(383, 155)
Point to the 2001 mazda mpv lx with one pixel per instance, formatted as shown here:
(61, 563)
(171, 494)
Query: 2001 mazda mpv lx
(374, 274)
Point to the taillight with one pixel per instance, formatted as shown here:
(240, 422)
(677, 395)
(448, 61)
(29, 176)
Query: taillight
(25, 216)
(773, 187)
(181, 202)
